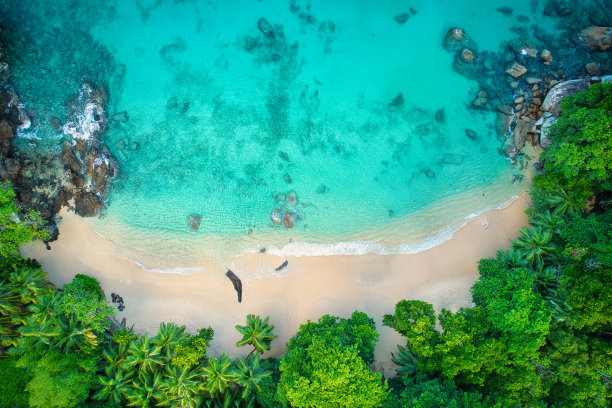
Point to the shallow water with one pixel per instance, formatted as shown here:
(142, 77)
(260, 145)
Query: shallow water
(225, 122)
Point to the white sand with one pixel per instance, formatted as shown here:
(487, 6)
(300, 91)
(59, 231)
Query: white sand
(307, 289)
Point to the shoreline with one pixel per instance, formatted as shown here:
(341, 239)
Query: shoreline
(309, 287)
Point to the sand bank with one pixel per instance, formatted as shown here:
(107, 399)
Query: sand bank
(307, 289)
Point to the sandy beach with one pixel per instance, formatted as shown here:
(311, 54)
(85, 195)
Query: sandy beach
(307, 289)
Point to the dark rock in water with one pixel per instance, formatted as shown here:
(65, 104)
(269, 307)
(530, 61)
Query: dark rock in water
(287, 178)
(250, 43)
(505, 109)
(413, 11)
(505, 10)
(522, 18)
(471, 134)
(236, 282)
(322, 189)
(598, 38)
(391, 213)
(452, 158)
(194, 222)
(55, 124)
(289, 220)
(401, 18)
(440, 116)
(292, 198)
(172, 103)
(558, 8)
(276, 216)
(121, 117)
(284, 156)
(282, 266)
(293, 6)
(185, 107)
(457, 39)
(61, 200)
(430, 174)
(398, 100)
(87, 203)
(265, 27)
(466, 64)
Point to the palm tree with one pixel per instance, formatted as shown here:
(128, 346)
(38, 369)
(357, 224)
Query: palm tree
(181, 387)
(230, 399)
(116, 356)
(511, 258)
(146, 391)
(114, 386)
(257, 333)
(168, 337)
(535, 246)
(218, 375)
(406, 361)
(29, 284)
(75, 335)
(562, 201)
(249, 374)
(548, 220)
(144, 356)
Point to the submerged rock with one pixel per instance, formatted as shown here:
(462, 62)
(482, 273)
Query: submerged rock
(401, 18)
(440, 116)
(289, 220)
(472, 135)
(452, 158)
(397, 101)
(466, 64)
(194, 221)
(265, 27)
(292, 198)
(457, 39)
(598, 38)
(287, 178)
(55, 124)
(276, 216)
(322, 189)
(516, 70)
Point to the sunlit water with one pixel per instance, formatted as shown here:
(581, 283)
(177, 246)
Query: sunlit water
(225, 122)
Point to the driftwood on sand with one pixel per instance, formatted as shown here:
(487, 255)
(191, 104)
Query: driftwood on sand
(282, 266)
(236, 282)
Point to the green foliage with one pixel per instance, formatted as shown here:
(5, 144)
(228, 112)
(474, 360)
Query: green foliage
(422, 392)
(85, 284)
(14, 232)
(124, 336)
(218, 375)
(249, 375)
(325, 364)
(59, 380)
(589, 297)
(82, 301)
(415, 320)
(535, 246)
(331, 376)
(13, 381)
(257, 333)
(267, 397)
(191, 351)
(582, 137)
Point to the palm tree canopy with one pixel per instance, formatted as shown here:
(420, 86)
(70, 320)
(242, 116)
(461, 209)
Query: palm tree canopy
(257, 333)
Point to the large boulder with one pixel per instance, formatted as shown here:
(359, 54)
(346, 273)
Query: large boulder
(456, 39)
(87, 203)
(466, 64)
(519, 134)
(552, 103)
(598, 38)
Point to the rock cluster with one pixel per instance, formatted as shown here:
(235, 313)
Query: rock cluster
(287, 214)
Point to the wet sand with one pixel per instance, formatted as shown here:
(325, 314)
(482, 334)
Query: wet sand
(306, 289)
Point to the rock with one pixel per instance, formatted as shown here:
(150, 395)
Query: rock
(430, 174)
(545, 141)
(401, 18)
(185, 108)
(519, 100)
(398, 100)
(121, 117)
(505, 109)
(519, 134)
(452, 158)
(289, 220)
(194, 221)
(516, 70)
(505, 10)
(533, 80)
(275, 216)
(546, 55)
(471, 134)
(552, 102)
(413, 11)
(284, 156)
(502, 124)
(440, 116)
(598, 38)
(61, 200)
(55, 124)
(236, 282)
(287, 178)
(172, 103)
(322, 189)
(529, 52)
(479, 102)
(482, 94)
(456, 39)
(511, 151)
(265, 27)
(465, 64)
(518, 107)
(592, 68)
(537, 101)
(87, 203)
(6, 136)
(292, 198)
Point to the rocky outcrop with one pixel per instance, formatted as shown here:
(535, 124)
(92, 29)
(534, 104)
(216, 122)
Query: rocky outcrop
(194, 221)
(598, 38)
(552, 102)
(457, 39)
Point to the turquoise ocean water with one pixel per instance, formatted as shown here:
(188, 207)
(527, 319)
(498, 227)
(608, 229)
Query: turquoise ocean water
(226, 123)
